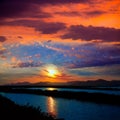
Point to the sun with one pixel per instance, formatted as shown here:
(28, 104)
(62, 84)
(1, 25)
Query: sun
(52, 72)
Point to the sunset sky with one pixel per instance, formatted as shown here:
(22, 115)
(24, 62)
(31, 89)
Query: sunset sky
(59, 40)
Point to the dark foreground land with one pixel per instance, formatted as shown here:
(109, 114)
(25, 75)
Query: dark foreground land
(99, 98)
(12, 111)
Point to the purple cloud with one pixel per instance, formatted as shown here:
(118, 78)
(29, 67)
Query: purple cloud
(2, 38)
(92, 63)
(44, 27)
(17, 8)
(2, 51)
(27, 64)
(73, 13)
(92, 33)
(20, 37)
(94, 55)
(12, 8)
(80, 13)
(62, 1)
(49, 28)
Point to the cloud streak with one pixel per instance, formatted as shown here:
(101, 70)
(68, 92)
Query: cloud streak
(89, 33)
(27, 64)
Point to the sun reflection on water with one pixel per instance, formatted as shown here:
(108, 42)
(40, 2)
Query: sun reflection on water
(51, 89)
(51, 106)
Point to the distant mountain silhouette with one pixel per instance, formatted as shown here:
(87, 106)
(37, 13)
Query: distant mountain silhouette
(93, 83)
(19, 83)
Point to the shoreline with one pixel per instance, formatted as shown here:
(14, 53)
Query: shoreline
(99, 98)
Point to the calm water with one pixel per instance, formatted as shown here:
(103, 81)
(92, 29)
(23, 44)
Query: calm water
(80, 90)
(68, 109)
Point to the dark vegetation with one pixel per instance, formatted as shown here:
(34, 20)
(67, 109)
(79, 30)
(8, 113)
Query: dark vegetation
(99, 98)
(12, 111)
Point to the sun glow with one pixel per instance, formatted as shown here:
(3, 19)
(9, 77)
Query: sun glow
(52, 72)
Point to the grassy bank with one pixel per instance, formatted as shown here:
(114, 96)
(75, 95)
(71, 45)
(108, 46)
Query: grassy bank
(12, 111)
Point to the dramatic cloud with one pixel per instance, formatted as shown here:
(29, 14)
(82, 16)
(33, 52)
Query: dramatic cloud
(70, 34)
(2, 38)
(92, 33)
(39, 25)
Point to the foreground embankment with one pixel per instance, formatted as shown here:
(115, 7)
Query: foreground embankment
(12, 111)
